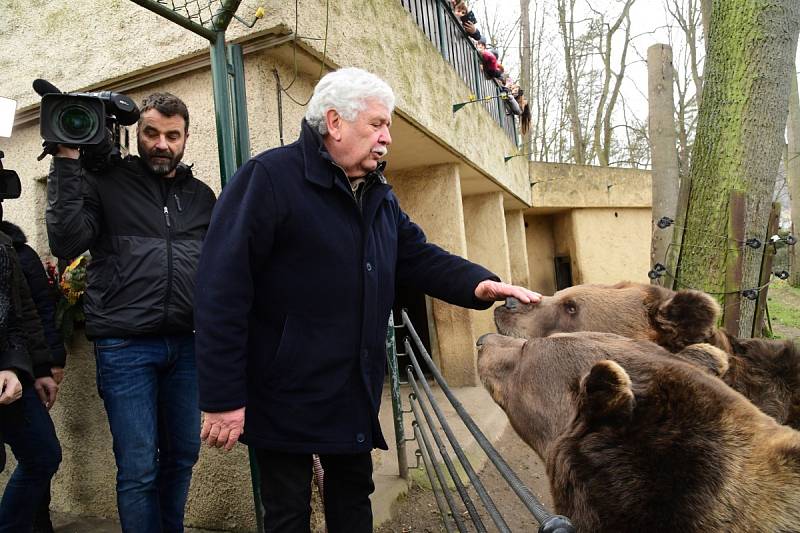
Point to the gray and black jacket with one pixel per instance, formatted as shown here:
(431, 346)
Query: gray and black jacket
(144, 233)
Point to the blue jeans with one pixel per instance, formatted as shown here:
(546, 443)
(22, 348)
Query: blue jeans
(27, 428)
(149, 387)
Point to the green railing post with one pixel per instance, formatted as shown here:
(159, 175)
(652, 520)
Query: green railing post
(241, 127)
(397, 402)
(222, 108)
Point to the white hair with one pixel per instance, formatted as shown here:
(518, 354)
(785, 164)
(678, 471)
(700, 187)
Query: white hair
(346, 90)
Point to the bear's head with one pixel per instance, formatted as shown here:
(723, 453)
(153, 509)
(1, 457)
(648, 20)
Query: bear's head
(637, 439)
(766, 371)
(635, 310)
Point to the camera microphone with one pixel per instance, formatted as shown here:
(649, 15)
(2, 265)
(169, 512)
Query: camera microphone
(43, 87)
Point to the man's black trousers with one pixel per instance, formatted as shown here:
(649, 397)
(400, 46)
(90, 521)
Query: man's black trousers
(286, 492)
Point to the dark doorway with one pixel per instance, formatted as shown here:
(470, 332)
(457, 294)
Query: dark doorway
(413, 301)
(563, 267)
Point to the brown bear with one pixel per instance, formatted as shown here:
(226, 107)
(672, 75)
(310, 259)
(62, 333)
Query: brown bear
(765, 371)
(635, 439)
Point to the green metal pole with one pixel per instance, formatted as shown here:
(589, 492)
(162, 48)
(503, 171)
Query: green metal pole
(397, 402)
(224, 15)
(222, 108)
(241, 128)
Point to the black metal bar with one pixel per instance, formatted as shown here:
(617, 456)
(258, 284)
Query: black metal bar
(397, 402)
(435, 487)
(451, 468)
(524, 494)
(491, 508)
(438, 22)
(438, 470)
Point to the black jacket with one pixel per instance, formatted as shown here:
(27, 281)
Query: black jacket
(144, 233)
(296, 281)
(40, 289)
(22, 344)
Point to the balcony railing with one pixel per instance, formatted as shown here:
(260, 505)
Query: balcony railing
(445, 31)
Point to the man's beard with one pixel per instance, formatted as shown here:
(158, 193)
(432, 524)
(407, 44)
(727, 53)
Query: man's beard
(161, 168)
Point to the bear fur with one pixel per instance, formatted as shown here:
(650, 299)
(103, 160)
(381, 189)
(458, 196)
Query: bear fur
(765, 371)
(635, 439)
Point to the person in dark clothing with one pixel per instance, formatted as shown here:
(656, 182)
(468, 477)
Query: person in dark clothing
(143, 219)
(468, 20)
(36, 278)
(24, 424)
(295, 284)
(41, 293)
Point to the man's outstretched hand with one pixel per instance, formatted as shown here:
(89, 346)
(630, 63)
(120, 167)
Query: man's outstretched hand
(222, 430)
(491, 291)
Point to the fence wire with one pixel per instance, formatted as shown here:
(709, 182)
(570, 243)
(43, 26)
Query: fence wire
(202, 12)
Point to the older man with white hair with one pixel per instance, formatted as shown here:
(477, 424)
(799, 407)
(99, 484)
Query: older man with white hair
(294, 288)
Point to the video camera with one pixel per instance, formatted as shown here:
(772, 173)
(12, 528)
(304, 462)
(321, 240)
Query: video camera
(90, 121)
(10, 186)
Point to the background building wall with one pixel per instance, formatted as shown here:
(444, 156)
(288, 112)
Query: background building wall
(541, 252)
(613, 244)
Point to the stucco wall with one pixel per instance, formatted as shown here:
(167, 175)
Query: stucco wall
(555, 185)
(541, 251)
(432, 198)
(613, 244)
(99, 41)
(517, 248)
(487, 243)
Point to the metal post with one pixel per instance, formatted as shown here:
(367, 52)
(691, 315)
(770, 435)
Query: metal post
(241, 128)
(397, 402)
(222, 107)
(442, 29)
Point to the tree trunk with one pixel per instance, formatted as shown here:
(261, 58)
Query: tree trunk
(705, 15)
(663, 150)
(793, 175)
(525, 61)
(751, 49)
(567, 30)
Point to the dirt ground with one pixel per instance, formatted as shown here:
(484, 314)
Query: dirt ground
(417, 512)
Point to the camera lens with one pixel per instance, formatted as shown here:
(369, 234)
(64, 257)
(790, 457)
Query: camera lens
(76, 122)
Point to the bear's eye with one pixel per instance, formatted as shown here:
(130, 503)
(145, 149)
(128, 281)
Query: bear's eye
(570, 307)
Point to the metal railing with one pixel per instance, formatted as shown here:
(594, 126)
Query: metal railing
(445, 31)
(425, 428)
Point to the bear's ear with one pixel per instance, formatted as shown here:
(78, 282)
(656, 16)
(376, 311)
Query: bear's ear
(606, 394)
(707, 357)
(687, 317)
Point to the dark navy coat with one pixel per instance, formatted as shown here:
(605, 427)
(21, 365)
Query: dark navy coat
(293, 293)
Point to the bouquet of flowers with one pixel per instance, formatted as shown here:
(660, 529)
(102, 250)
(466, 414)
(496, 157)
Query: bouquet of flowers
(68, 287)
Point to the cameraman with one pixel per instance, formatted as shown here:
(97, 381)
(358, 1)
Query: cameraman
(27, 391)
(143, 219)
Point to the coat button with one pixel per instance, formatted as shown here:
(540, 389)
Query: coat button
(369, 266)
(360, 438)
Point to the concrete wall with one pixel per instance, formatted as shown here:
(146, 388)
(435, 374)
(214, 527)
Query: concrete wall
(432, 198)
(560, 186)
(598, 217)
(613, 245)
(540, 243)
(517, 248)
(487, 243)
